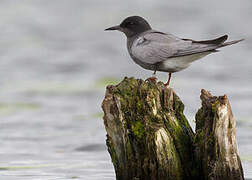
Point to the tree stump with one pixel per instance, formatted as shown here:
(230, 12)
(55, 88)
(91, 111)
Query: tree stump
(149, 138)
(216, 139)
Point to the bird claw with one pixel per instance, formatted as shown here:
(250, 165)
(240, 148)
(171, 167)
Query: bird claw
(166, 85)
(153, 78)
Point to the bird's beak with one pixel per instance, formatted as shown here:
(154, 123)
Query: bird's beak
(118, 28)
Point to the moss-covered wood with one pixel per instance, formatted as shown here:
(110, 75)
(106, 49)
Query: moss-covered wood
(149, 138)
(215, 139)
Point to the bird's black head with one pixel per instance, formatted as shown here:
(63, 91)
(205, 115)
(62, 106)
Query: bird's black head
(132, 26)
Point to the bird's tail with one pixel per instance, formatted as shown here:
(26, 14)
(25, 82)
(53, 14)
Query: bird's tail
(230, 43)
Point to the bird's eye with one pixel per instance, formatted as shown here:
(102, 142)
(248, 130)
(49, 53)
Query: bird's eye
(130, 23)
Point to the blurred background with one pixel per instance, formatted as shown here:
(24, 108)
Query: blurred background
(56, 60)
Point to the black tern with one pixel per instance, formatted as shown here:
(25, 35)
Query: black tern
(158, 51)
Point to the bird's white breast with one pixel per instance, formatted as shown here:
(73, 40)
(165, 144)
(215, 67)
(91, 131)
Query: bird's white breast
(179, 63)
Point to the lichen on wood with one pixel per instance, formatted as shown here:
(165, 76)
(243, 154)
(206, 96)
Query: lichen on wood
(149, 138)
(215, 139)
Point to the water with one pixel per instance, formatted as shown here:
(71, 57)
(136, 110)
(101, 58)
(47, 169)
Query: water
(56, 61)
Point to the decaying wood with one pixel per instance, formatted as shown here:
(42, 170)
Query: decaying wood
(149, 138)
(216, 139)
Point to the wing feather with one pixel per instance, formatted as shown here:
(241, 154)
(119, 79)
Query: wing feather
(156, 47)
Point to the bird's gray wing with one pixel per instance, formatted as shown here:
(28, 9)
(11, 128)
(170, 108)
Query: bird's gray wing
(154, 47)
(201, 46)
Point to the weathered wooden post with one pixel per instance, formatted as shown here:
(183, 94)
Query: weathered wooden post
(149, 138)
(216, 139)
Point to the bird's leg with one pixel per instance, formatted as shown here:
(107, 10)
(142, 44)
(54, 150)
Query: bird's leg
(168, 82)
(153, 77)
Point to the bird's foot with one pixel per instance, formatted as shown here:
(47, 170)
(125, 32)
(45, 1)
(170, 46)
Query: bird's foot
(166, 84)
(153, 78)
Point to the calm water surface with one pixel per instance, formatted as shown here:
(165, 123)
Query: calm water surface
(56, 61)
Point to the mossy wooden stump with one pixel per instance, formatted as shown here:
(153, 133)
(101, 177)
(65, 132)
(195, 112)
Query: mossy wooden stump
(149, 138)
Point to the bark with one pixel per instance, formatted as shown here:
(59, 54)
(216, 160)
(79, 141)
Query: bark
(216, 139)
(149, 138)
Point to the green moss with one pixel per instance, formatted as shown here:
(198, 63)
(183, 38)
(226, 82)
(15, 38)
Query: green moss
(144, 111)
(112, 153)
(138, 129)
(170, 150)
(155, 118)
(199, 119)
(214, 105)
(139, 106)
(199, 136)
(178, 105)
(211, 140)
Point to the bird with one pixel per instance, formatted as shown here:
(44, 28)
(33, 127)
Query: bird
(158, 51)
